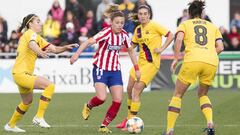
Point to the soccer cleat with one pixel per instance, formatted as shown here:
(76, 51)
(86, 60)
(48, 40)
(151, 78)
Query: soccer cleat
(15, 129)
(86, 112)
(210, 129)
(40, 122)
(104, 130)
(122, 124)
(170, 133)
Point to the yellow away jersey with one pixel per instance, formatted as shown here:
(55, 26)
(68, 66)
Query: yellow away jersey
(199, 40)
(25, 60)
(148, 38)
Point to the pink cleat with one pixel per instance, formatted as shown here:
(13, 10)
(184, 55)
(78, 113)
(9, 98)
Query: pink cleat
(122, 124)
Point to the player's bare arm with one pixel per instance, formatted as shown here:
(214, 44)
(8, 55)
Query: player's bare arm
(60, 49)
(81, 48)
(177, 48)
(134, 61)
(166, 44)
(219, 46)
(34, 47)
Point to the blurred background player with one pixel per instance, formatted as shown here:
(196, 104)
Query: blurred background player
(203, 43)
(148, 35)
(106, 71)
(30, 46)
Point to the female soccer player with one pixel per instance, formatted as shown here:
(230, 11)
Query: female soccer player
(106, 71)
(30, 46)
(203, 43)
(148, 35)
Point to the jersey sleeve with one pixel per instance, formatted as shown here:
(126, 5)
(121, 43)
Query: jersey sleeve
(33, 37)
(218, 35)
(127, 41)
(181, 28)
(43, 44)
(162, 30)
(102, 35)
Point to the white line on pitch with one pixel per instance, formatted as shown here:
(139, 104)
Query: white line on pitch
(151, 126)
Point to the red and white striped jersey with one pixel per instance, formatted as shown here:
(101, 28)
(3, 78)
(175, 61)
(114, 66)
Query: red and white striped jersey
(109, 45)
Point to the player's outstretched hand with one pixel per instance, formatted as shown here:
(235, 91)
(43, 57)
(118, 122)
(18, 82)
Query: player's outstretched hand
(174, 64)
(71, 46)
(73, 59)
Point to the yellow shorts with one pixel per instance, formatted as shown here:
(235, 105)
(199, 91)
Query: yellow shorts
(148, 72)
(25, 82)
(191, 71)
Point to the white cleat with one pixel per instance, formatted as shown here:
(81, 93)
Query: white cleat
(14, 129)
(40, 122)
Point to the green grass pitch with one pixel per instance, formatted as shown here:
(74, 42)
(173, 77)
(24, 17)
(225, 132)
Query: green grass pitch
(64, 114)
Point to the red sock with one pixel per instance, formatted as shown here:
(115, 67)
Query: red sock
(95, 101)
(111, 113)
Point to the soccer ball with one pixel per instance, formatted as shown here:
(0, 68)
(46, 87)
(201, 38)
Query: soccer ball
(135, 125)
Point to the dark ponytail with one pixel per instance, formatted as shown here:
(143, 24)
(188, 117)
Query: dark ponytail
(25, 23)
(195, 8)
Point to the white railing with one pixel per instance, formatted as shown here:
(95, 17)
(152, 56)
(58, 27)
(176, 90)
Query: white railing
(87, 54)
(65, 54)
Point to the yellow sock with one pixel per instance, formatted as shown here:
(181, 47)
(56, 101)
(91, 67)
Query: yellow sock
(206, 108)
(135, 108)
(17, 115)
(173, 112)
(129, 102)
(48, 91)
(44, 100)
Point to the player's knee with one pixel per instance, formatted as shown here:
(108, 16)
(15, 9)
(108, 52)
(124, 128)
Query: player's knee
(117, 99)
(135, 96)
(46, 85)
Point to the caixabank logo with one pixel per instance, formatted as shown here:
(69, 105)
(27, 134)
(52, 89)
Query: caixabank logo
(5, 73)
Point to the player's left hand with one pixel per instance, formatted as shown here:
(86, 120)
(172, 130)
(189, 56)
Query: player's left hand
(138, 75)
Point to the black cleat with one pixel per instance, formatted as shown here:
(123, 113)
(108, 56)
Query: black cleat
(210, 131)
